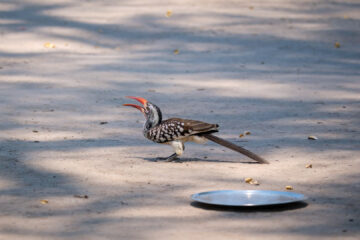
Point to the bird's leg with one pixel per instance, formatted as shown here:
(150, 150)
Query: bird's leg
(178, 148)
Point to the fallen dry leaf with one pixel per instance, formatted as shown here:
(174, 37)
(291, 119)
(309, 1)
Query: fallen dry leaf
(289, 188)
(251, 181)
(308, 166)
(337, 45)
(49, 45)
(44, 201)
(168, 13)
(251, 7)
(245, 133)
(248, 180)
(176, 51)
(312, 137)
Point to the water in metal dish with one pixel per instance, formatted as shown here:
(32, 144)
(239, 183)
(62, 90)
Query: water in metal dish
(247, 197)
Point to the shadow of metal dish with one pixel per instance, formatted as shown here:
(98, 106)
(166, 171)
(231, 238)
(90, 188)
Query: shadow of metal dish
(247, 198)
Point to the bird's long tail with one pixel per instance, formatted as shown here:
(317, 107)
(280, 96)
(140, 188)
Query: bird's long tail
(234, 147)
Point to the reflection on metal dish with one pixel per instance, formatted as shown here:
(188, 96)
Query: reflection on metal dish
(244, 198)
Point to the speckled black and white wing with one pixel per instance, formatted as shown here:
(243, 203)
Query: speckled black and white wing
(177, 128)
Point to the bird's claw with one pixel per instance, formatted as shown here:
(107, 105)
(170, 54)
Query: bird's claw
(172, 158)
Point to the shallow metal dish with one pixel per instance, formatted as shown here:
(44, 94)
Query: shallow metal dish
(244, 198)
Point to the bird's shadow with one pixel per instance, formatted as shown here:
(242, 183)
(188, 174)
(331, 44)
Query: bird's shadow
(270, 208)
(182, 160)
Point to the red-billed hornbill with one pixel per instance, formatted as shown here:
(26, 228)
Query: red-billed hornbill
(177, 131)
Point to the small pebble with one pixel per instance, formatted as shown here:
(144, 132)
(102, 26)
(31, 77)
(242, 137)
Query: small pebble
(81, 196)
(312, 138)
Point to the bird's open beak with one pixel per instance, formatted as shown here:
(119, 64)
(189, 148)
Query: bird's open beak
(139, 99)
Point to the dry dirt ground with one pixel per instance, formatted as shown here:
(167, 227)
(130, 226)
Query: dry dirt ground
(268, 67)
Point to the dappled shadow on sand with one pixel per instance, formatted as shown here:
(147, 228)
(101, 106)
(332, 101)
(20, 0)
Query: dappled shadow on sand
(68, 103)
(184, 160)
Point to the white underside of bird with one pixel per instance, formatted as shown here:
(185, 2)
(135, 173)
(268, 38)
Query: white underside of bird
(178, 145)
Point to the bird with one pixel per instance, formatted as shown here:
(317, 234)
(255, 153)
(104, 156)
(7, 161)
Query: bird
(177, 131)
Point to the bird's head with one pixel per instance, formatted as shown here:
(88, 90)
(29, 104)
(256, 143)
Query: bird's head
(151, 112)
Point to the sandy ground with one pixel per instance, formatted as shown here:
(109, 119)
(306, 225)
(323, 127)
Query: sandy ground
(268, 67)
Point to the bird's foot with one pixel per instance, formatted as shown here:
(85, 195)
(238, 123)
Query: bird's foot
(171, 158)
(177, 160)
